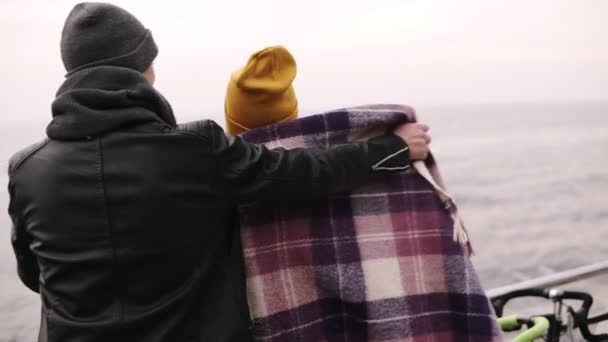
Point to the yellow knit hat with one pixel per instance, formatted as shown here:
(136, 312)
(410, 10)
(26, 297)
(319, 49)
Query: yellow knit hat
(260, 93)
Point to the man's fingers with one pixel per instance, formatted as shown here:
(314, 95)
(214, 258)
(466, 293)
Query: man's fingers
(416, 137)
(422, 139)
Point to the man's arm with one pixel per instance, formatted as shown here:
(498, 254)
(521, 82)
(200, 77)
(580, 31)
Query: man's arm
(27, 264)
(248, 172)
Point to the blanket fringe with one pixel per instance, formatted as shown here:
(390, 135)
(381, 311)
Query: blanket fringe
(460, 234)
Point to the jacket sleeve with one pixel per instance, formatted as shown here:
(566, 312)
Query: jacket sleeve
(27, 264)
(250, 172)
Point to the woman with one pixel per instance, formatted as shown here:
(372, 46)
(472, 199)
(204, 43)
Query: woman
(388, 261)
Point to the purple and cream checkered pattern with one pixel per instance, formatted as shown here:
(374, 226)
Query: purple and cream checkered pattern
(377, 264)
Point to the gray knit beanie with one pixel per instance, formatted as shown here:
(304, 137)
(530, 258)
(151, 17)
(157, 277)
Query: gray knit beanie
(97, 34)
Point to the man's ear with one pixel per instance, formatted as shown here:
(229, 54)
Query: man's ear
(150, 75)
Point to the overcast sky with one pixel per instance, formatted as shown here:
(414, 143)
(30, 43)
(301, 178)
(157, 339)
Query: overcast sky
(348, 51)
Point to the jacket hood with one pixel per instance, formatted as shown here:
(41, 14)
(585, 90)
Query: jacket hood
(99, 100)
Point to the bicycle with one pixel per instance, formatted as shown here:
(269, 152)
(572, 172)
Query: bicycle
(551, 327)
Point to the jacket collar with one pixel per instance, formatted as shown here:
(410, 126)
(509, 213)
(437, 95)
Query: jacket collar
(99, 100)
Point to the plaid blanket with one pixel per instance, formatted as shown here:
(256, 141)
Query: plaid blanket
(382, 263)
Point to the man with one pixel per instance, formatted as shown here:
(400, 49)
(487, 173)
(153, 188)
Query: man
(124, 220)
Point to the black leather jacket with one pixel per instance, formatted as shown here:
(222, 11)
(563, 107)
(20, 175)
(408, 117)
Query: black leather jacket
(124, 221)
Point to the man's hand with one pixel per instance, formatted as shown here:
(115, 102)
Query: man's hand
(416, 137)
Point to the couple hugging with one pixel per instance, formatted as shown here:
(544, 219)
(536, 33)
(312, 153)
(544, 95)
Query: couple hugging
(332, 227)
